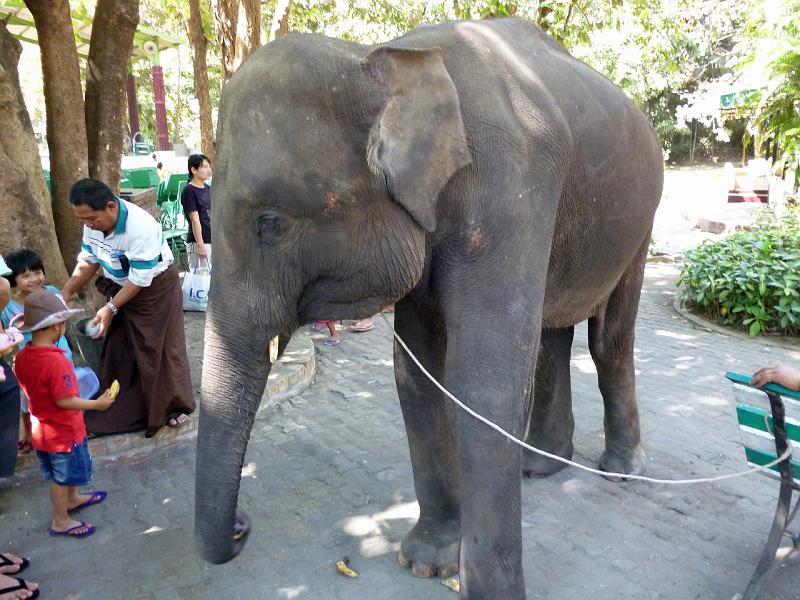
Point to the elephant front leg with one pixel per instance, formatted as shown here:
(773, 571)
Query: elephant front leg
(552, 423)
(431, 547)
(491, 537)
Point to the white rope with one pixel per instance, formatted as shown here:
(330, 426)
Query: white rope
(571, 463)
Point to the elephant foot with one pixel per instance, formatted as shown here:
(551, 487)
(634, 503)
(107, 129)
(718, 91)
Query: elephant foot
(431, 550)
(536, 465)
(630, 462)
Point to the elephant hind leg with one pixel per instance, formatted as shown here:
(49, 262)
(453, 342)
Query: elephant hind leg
(551, 423)
(611, 343)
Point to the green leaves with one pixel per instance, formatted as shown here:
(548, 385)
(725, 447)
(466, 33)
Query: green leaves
(749, 279)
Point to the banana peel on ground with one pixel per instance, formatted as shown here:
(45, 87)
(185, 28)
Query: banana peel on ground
(452, 583)
(344, 569)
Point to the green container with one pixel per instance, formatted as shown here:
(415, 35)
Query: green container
(145, 177)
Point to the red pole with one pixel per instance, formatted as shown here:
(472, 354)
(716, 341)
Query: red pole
(133, 109)
(161, 110)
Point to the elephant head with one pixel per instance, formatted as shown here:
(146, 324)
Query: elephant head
(330, 159)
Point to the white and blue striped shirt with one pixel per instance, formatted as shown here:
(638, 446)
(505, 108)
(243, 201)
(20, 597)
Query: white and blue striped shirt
(135, 251)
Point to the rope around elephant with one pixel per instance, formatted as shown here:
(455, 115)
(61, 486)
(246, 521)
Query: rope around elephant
(571, 463)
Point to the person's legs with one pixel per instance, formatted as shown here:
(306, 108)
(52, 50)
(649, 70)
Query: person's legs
(9, 421)
(25, 444)
(59, 498)
(66, 471)
(333, 340)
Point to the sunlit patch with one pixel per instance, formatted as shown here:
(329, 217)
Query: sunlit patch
(675, 336)
(373, 528)
(153, 529)
(292, 592)
(249, 470)
(573, 486)
(584, 364)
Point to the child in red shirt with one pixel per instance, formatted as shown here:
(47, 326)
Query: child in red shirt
(59, 434)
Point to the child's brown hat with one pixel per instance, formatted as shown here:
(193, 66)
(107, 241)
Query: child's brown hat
(43, 309)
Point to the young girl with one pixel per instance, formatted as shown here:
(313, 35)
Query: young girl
(196, 202)
(28, 276)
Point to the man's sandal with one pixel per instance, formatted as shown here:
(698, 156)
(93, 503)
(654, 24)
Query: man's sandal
(7, 562)
(21, 585)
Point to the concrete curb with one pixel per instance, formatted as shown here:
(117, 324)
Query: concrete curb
(784, 343)
(292, 374)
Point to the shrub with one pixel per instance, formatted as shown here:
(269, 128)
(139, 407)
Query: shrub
(750, 278)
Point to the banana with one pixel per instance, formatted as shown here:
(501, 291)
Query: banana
(451, 582)
(343, 569)
(113, 390)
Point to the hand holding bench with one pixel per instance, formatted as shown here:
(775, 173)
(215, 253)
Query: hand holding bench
(769, 421)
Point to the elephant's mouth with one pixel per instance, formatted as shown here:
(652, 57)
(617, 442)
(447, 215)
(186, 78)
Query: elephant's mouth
(317, 303)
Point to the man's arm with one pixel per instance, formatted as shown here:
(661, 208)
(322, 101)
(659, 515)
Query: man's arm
(105, 314)
(83, 272)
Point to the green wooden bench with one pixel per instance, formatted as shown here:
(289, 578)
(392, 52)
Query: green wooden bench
(769, 420)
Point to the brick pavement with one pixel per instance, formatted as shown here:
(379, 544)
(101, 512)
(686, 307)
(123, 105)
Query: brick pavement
(328, 475)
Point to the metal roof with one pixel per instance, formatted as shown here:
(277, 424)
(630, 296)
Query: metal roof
(22, 26)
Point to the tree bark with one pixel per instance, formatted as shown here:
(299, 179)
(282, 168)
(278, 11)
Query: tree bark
(249, 37)
(113, 26)
(280, 20)
(199, 46)
(66, 128)
(225, 14)
(26, 218)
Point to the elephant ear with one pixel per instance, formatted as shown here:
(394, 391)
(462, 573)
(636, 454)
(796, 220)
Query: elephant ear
(418, 142)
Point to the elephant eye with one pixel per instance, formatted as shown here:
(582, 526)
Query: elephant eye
(269, 225)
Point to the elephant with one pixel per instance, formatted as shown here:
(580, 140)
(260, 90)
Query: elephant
(494, 188)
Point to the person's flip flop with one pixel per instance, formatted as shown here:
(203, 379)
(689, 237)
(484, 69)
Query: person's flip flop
(332, 342)
(7, 562)
(362, 328)
(22, 586)
(71, 531)
(96, 498)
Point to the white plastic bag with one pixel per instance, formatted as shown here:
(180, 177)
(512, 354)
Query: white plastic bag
(196, 284)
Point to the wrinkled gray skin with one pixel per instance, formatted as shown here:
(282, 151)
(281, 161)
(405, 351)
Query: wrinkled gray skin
(490, 185)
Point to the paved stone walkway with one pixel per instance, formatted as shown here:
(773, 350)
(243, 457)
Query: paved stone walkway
(328, 475)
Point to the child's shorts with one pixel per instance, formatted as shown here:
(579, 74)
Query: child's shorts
(72, 468)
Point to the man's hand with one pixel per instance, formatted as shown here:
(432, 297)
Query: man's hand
(202, 251)
(102, 320)
(780, 374)
(103, 402)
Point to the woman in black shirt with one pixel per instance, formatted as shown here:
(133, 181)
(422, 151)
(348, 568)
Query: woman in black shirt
(196, 201)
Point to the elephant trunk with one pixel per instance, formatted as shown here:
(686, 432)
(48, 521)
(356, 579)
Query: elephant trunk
(235, 371)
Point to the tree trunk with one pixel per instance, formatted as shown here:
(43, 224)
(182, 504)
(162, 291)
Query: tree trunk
(114, 24)
(280, 20)
(249, 36)
(66, 128)
(225, 14)
(27, 217)
(199, 45)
